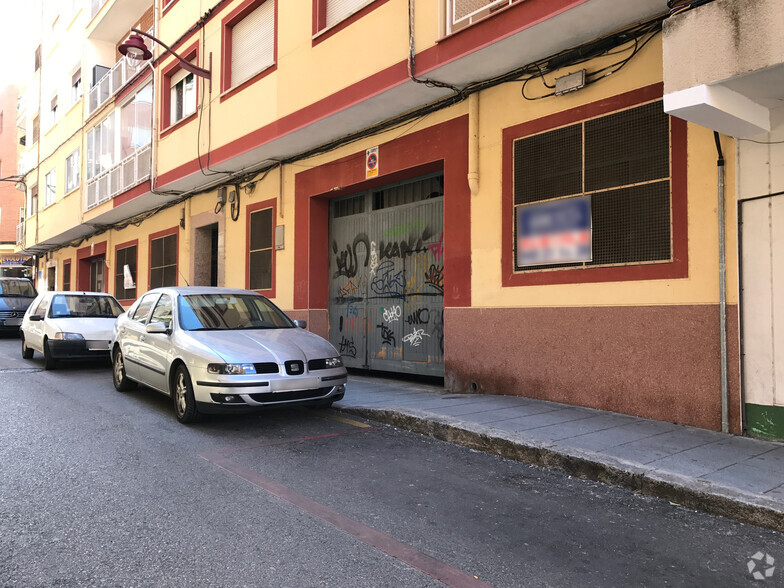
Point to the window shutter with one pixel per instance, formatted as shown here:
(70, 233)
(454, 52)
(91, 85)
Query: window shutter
(253, 43)
(178, 76)
(338, 10)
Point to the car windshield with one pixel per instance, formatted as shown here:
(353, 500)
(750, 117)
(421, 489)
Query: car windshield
(85, 306)
(201, 312)
(17, 288)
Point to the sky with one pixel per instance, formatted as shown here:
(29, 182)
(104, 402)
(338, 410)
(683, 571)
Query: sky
(16, 57)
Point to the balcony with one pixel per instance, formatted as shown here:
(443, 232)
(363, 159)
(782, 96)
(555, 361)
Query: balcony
(130, 172)
(20, 233)
(110, 84)
(723, 65)
(461, 13)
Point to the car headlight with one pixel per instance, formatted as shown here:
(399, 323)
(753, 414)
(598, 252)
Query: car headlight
(68, 336)
(333, 362)
(231, 369)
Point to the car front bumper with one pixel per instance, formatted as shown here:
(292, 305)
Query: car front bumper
(233, 393)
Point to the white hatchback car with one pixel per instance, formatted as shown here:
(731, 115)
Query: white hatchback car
(69, 325)
(219, 350)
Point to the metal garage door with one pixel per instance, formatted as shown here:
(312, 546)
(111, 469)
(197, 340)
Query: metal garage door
(386, 264)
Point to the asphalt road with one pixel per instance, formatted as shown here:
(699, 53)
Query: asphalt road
(99, 488)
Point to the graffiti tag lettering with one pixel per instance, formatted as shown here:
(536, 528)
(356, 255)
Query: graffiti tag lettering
(387, 335)
(348, 348)
(388, 282)
(392, 314)
(415, 338)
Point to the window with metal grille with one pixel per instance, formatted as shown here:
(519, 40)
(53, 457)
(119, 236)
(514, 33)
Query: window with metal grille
(619, 162)
(163, 261)
(123, 257)
(250, 34)
(260, 249)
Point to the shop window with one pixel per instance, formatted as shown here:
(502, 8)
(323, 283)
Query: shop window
(249, 40)
(163, 260)
(125, 256)
(261, 229)
(594, 193)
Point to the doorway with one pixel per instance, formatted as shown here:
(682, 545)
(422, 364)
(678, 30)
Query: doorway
(205, 254)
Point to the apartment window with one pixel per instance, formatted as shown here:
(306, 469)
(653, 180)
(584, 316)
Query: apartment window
(121, 133)
(36, 130)
(249, 34)
(126, 256)
(37, 58)
(50, 188)
(183, 96)
(72, 167)
(76, 86)
(53, 112)
(32, 206)
(136, 122)
(462, 13)
(67, 275)
(163, 260)
(595, 193)
(260, 252)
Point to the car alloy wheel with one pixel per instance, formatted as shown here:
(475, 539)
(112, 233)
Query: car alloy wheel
(184, 402)
(121, 381)
(49, 361)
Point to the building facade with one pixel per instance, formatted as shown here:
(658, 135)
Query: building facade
(492, 192)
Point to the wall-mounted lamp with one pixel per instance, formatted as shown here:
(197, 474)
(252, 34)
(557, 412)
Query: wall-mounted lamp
(182, 218)
(135, 50)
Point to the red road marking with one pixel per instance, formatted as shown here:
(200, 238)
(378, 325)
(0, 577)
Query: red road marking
(416, 559)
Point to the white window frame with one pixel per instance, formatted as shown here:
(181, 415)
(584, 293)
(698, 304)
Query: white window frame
(73, 169)
(50, 188)
(182, 82)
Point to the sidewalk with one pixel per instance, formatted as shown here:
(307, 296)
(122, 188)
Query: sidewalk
(736, 477)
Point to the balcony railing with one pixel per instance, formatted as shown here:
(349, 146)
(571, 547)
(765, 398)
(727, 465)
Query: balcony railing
(461, 13)
(110, 83)
(95, 7)
(130, 172)
(20, 233)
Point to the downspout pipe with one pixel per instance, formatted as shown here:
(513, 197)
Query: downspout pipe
(725, 421)
(473, 143)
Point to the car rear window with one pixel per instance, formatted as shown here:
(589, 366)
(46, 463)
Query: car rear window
(84, 306)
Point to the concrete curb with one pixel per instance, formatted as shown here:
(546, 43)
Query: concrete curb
(682, 490)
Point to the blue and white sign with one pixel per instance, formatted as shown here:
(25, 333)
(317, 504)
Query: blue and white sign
(554, 232)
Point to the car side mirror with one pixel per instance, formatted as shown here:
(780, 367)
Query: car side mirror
(301, 324)
(157, 328)
(36, 317)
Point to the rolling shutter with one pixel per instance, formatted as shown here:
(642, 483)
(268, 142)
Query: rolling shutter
(253, 43)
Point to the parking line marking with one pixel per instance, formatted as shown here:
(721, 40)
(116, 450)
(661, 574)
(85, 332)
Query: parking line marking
(426, 564)
(348, 421)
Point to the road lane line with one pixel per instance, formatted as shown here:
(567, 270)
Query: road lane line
(427, 564)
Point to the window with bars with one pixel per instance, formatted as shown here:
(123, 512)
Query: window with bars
(123, 257)
(620, 162)
(250, 35)
(260, 249)
(163, 261)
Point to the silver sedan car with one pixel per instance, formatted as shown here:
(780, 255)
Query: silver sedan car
(217, 350)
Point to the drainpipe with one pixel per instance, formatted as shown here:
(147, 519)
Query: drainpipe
(473, 143)
(725, 421)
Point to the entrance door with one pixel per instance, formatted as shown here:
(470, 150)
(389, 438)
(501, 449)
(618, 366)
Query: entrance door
(96, 274)
(386, 309)
(762, 287)
(205, 247)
